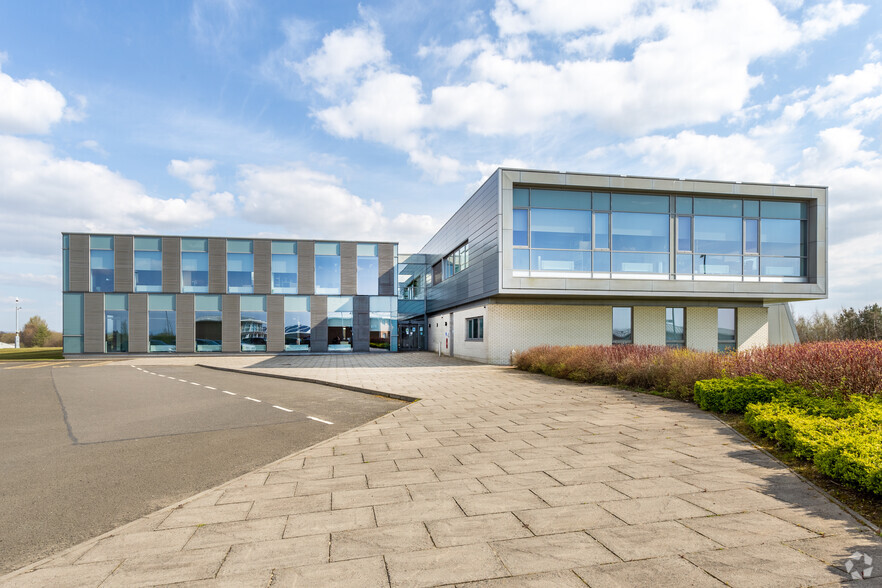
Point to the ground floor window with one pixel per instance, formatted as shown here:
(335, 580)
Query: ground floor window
(209, 319)
(253, 323)
(297, 323)
(161, 326)
(339, 323)
(675, 327)
(622, 325)
(726, 335)
(116, 323)
(475, 328)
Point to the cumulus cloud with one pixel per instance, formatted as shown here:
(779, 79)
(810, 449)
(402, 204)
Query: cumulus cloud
(195, 172)
(29, 106)
(822, 19)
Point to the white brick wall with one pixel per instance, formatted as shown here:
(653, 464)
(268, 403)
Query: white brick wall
(752, 327)
(649, 325)
(701, 328)
(474, 350)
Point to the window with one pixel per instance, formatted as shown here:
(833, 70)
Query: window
(65, 263)
(327, 268)
(253, 323)
(116, 323)
(72, 325)
(339, 323)
(384, 323)
(455, 262)
(475, 327)
(161, 317)
(622, 331)
(436, 273)
(297, 323)
(726, 330)
(101, 263)
(560, 229)
(675, 327)
(209, 319)
(148, 264)
(284, 268)
(520, 223)
(240, 267)
(194, 265)
(368, 269)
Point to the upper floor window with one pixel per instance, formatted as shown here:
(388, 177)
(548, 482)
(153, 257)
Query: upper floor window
(148, 264)
(101, 263)
(327, 268)
(284, 267)
(240, 266)
(455, 261)
(194, 265)
(368, 278)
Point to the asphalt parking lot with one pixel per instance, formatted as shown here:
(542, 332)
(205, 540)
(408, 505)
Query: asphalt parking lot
(89, 446)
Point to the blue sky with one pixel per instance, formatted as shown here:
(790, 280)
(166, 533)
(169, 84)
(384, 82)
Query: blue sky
(377, 120)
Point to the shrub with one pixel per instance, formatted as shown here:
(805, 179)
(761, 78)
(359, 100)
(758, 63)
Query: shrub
(734, 394)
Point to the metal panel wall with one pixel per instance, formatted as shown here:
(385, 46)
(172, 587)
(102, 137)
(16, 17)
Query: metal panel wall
(217, 268)
(79, 263)
(348, 268)
(275, 318)
(123, 263)
(306, 268)
(263, 262)
(361, 323)
(318, 323)
(93, 322)
(185, 340)
(387, 269)
(231, 328)
(138, 332)
(171, 264)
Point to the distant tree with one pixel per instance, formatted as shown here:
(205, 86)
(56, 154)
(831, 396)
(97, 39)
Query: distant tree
(35, 332)
(7, 337)
(818, 327)
(55, 339)
(847, 323)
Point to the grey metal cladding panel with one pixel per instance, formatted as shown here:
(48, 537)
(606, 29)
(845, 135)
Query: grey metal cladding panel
(171, 265)
(361, 324)
(275, 318)
(480, 209)
(348, 268)
(231, 328)
(79, 263)
(138, 333)
(123, 263)
(185, 341)
(306, 267)
(217, 266)
(318, 323)
(263, 262)
(93, 322)
(387, 269)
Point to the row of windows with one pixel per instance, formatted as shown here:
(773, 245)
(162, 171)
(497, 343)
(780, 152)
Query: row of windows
(675, 327)
(451, 264)
(147, 266)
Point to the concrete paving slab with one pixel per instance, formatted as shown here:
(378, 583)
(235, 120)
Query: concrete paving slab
(563, 519)
(651, 540)
(638, 511)
(449, 565)
(417, 511)
(381, 540)
(563, 579)
(495, 502)
(747, 528)
(665, 572)
(551, 552)
(371, 573)
(259, 556)
(578, 494)
(476, 529)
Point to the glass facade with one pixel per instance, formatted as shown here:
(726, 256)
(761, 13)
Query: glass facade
(148, 264)
(208, 323)
(116, 323)
(653, 235)
(726, 332)
(384, 323)
(101, 263)
(454, 262)
(194, 265)
(240, 267)
(327, 268)
(284, 270)
(297, 323)
(72, 323)
(253, 323)
(675, 327)
(161, 322)
(368, 270)
(339, 323)
(622, 326)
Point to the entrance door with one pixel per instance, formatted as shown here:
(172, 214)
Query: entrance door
(411, 336)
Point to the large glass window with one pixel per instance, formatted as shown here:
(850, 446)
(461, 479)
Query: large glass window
(640, 232)
(194, 265)
(162, 324)
(297, 323)
(384, 323)
(717, 234)
(148, 264)
(553, 260)
(560, 229)
(521, 223)
(209, 321)
(455, 262)
(116, 323)
(675, 327)
(339, 323)
(72, 322)
(622, 326)
(240, 266)
(101, 263)
(724, 265)
(327, 268)
(684, 233)
(284, 267)
(253, 322)
(726, 330)
(368, 270)
(601, 230)
(782, 237)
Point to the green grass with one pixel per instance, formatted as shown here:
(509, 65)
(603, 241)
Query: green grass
(31, 354)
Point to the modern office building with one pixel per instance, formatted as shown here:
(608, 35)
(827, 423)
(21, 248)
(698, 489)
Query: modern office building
(531, 258)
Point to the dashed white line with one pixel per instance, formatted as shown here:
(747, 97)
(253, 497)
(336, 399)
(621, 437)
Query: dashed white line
(252, 399)
(184, 381)
(320, 420)
(196, 383)
(211, 387)
(283, 408)
(230, 393)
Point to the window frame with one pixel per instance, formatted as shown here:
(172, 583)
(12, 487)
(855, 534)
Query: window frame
(475, 328)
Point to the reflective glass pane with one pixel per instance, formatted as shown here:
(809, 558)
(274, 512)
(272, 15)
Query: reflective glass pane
(751, 208)
(284, 273)
(716, 234)
(717, 207)
(600, 201)
(72, 310)
(148, 271)
(782, 237)
(208, 326)
(253, 330)
(148, 244)
(339, 323)
(773, 209)
(751, 265)
(622, 333)
(195, 245)
(601, 230)
(560, 261)
(726, 265)
(101, 269)
(368, 277)
(788, 267)
(644, 263)
(161, 324)
(684, 205)
(194, 272)
(284, 247)
(684, 233)
(520, 227)
(684, 264)
(255, 303)
(725, 329)
(751, 237)
(521, 197)
(240, 273)
(116, 331)
(675, 327)
(297, 331)
(560, 229)
(366, 250)
(560, 199)
(640, 232)
(239, 246)
(601, 261)
(327, 249)
(101, 242)
(521, 259)
(327, 274)
(340, 304)
(640, 203)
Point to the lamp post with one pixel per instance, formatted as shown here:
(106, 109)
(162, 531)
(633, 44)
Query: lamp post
(17, 308)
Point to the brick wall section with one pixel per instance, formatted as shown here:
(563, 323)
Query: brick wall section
(649, 325)
(701, 328)
(752, 328)
(473, 350)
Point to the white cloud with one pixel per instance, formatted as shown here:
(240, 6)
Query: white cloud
(822, 19)
(520, 17)
(30, 279)
(92, 145)
(29, 106)
(194, 172)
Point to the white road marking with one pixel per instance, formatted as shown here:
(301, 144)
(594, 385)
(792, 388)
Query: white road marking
(252, 399)
(211, 387)
(195, 384)
(283, 408)
(230, 393)
(320, 420)
(184, 381)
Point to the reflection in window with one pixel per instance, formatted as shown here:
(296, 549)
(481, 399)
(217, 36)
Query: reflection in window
(640, 232)
(552, 260)
(601, 230)
(782, 237)
(368, 270)
(725, 330)
(209, 320)
(455, 262)
(148, 264)
(327, 268)
(622, 331)
(297, 323)
(194, 265)
(782, 266)
(284, 268)
(521, 223)
(716, 234)
(116, 323)
(240, 267)
(644, 263)
(339, 323)
(384, 323)
(161, 322)
(684, 233)
(560, 229)
(675, 327)
(253, 323)
(722, 265)
(101, 263)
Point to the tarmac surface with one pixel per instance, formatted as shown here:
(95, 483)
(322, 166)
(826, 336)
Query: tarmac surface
(89, 446)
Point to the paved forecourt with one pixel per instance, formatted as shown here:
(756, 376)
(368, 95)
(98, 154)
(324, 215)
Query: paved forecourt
(496, 477)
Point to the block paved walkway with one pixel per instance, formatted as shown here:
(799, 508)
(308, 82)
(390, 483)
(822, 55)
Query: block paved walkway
(495, 478)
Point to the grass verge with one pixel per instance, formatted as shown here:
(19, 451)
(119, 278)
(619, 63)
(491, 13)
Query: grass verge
(31, 354)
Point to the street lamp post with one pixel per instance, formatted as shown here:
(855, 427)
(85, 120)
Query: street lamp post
(17, 339)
